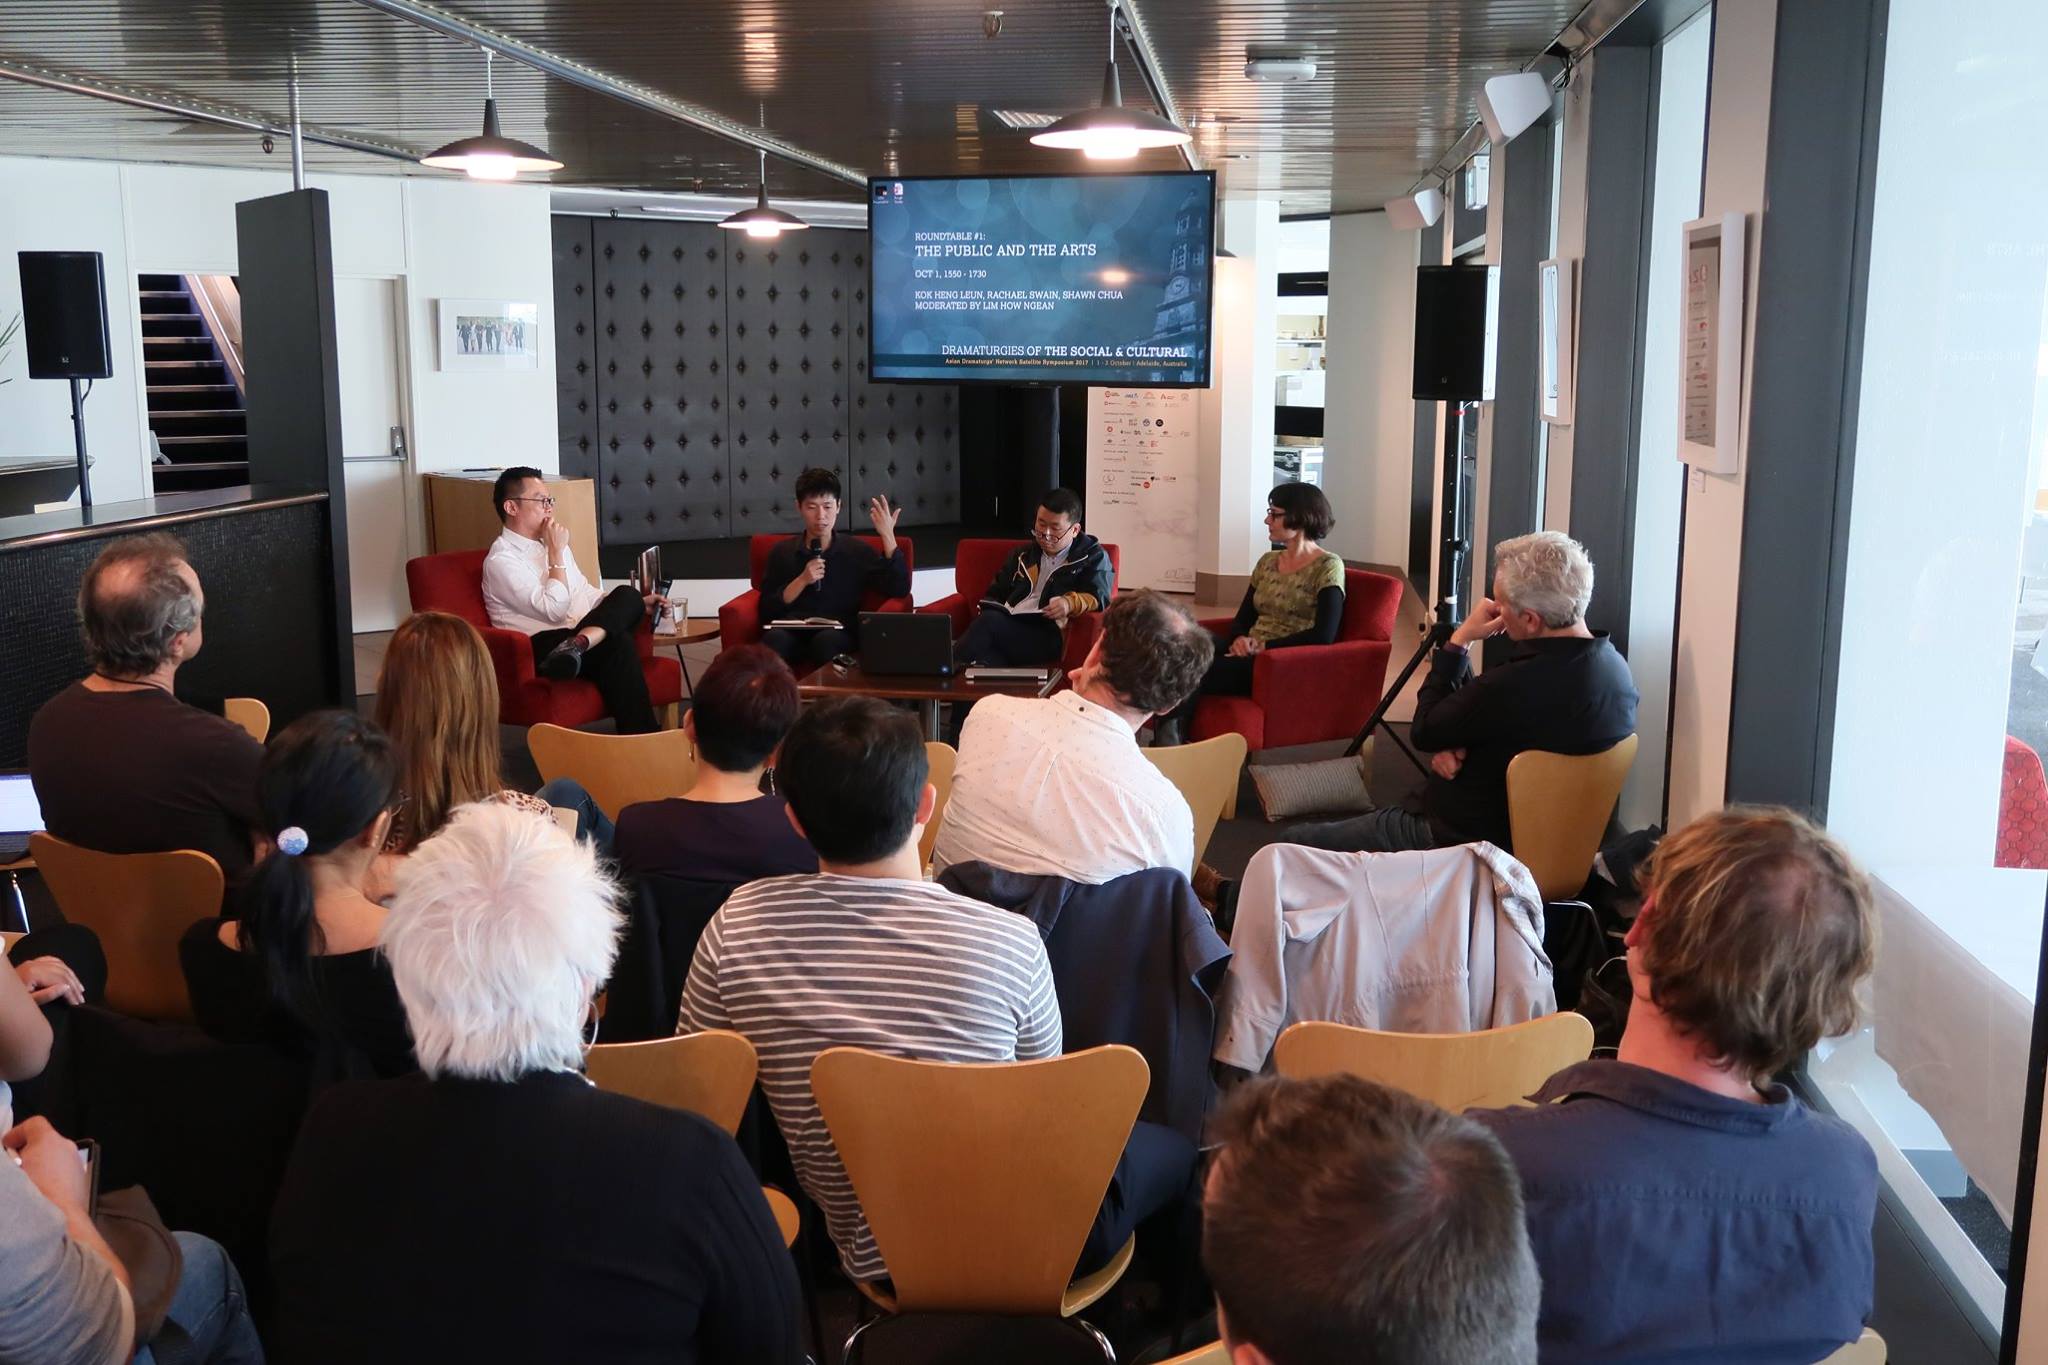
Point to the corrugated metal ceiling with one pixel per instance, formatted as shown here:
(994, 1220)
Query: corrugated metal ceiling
(891, 86)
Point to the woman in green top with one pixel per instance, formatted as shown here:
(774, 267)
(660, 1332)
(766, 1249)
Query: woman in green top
(1296, 597)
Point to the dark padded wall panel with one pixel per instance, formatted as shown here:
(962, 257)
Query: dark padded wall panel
(661, 375)
(906, 437)
(575, 348)
(270, 630)
(785, 314)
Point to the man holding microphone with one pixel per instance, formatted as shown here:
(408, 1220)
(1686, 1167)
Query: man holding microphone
(532, 585)
(823, 575)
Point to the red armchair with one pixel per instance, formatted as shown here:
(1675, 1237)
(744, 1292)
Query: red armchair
(454, 583)
(1308, 693)
(974, 571)
(740, 620)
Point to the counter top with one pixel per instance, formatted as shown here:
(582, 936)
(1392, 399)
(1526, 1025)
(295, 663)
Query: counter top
(145, 514)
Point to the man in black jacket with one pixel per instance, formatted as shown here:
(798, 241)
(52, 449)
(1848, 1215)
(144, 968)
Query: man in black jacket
(1562, 688)
(1046, 582)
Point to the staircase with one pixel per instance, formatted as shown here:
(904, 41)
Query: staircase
(194, 407)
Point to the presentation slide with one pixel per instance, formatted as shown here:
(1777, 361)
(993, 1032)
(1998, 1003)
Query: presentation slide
(1088, 279)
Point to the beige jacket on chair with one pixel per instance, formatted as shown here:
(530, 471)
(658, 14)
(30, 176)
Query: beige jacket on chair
(1446, 940)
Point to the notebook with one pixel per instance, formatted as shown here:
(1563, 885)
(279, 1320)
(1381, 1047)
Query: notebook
(20, 815)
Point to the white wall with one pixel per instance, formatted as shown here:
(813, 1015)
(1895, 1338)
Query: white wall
(434, 238)
(1738, 128)
(1660, 478)
(1369, 413)
(1235, 462)
(1304, 246)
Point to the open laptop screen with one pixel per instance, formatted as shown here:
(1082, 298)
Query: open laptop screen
(20, 812)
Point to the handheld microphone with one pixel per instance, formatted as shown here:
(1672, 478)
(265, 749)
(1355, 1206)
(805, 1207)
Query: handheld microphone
(811, 550)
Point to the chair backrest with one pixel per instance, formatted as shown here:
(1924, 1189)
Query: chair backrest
(1207, 773)
(617, 770)
(709, 1073)
(984, 1338)
(1212, 1354)
(1484, 1070)
(139, 904)
(249, 713)
(1558, 807)
(759, 546)
(7, 941)
(1868, 1349)
(975, 562)
(1371, 603)
(452, 582)
(976, 1201)
(943, 759)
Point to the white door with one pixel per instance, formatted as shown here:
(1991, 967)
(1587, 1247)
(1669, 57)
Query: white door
(368, 340)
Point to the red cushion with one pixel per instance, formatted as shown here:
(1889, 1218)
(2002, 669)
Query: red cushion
(975, 563)
(2022, 809)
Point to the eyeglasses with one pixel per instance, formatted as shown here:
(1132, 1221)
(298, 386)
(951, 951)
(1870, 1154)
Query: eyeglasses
(548, 503)
(1044, 532)
(1272, 512)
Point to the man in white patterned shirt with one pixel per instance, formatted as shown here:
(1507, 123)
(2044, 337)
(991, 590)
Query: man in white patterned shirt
(866, 953)
(532, 585)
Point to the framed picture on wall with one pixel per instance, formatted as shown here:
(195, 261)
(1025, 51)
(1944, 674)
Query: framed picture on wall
(1710, 344)
(1558, 310)
(489, 334)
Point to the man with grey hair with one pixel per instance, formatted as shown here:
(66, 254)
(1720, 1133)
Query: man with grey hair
(496, 1205)
(1345, 1223)
(119, 763)
(1561, 688)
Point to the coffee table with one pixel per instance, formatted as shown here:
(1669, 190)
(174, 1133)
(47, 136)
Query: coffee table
(691, 633)
(926, 692)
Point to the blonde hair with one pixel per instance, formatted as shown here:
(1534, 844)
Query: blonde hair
(1759, 928)
(437, 698)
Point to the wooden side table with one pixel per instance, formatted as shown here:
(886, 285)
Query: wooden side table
(690, 633)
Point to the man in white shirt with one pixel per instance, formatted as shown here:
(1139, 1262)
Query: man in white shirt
(533, 585)
(1058, 787)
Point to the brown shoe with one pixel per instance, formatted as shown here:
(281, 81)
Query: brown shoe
(1208, 883)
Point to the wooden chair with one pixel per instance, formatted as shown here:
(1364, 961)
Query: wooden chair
(1558, 807)
(1206, 772)
(978, 1204)
(1485, 1070)
(1212, 1354)
(139, 904)
(249, 713)
(709, 1073)
(617, 770)
(943, 759)
(8, 940)
(1867, 1349)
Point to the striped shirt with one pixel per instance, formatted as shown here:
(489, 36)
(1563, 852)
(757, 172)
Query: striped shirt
(800, 964)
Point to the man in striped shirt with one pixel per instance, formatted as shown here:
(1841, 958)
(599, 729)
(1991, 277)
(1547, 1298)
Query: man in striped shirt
(866, 953)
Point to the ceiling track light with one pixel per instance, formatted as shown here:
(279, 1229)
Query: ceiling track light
(761, 220)
(492, 156)
(1110, 132)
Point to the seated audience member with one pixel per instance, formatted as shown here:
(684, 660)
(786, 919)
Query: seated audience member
(1296, 597)
(1673, 1191)
(724, 829)
(1562, 688)
(298, 968)
(1057, 575)
(867, 953)
(1057, 786)
(496, 1206)
(824, 574)
(119, 763)
(437, 701)
(64, 1294)
(1346, 1223)
(532, 585)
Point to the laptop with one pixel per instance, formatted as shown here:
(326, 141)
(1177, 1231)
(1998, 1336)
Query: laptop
(20, 815)
(918, 644)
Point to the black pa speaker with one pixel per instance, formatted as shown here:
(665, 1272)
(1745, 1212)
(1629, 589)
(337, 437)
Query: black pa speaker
(64, 315)
(1454, 332)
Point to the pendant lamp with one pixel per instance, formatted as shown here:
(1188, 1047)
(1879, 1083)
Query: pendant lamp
(1111, 132)
(491, 156)
(760, 220)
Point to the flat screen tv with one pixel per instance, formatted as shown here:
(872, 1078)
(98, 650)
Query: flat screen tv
(1042, 279)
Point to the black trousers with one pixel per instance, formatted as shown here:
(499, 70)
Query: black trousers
(614, 664)
(1001, 640)
(1155, 1175)
(1227, 677)
(804, 650)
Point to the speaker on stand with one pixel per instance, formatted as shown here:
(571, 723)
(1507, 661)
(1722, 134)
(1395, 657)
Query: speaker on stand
(64, 328)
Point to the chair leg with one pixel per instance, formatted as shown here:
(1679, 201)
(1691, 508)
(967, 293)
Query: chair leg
(807, 1277)
(666, 715)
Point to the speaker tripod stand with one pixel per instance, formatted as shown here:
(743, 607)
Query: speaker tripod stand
(78, 436)
(1438, 631)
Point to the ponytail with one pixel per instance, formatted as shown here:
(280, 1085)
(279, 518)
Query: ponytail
(325, 779)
